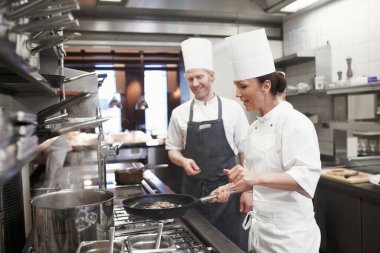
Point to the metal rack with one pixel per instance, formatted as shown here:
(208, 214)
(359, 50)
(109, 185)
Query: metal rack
(17, 77)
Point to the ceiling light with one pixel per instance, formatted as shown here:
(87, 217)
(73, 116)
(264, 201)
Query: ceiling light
(113, 2)
(298, 5)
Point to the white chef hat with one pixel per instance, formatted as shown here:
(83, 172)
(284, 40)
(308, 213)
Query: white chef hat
(250, 54)
(197, 53)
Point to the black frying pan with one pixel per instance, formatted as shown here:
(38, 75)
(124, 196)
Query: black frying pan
(138, 205)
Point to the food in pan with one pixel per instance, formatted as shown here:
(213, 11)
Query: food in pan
(160, 205)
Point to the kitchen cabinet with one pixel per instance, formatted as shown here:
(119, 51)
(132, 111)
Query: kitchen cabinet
(342, 228)
(370, 226)
(348, 216)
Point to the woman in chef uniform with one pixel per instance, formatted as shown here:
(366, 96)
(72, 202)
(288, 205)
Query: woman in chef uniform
(282, 160)
(204, 137)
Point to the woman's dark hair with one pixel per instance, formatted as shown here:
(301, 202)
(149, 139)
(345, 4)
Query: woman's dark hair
(277, 80)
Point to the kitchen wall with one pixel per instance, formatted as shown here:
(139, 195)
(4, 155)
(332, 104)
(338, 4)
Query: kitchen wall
(350, 26)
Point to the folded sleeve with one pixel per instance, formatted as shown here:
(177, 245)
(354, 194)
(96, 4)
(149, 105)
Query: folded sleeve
(175, 138)
(241, 131)
(301, 157)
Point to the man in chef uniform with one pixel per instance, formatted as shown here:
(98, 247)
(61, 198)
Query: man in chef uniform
(204, 137)
(282, 159)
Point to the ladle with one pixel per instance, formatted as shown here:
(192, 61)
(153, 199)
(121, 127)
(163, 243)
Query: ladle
(112, 238)
(159, 233)
(122, 246)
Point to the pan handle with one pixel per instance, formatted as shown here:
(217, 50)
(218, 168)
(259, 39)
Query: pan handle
(207, 198)
(211, 197)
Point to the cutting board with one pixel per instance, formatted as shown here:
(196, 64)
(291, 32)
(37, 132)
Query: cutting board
(339, 173)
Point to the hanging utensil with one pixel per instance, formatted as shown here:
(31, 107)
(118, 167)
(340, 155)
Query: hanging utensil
(46, 133)
(159, 234)
(43, 114)
(53, 43)
(112, 238)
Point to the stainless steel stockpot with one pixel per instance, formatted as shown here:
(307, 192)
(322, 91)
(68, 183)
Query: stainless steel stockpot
(64, 219)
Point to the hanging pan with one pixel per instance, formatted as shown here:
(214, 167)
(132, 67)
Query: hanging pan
(46, 133)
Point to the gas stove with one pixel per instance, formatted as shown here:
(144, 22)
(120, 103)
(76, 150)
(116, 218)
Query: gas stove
(184, 239)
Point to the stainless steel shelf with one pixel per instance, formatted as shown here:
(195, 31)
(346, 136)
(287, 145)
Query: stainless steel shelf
(297, 93)
(17, 77)
(354, 89)
(355, 125)
(363, 88)
(293, 59)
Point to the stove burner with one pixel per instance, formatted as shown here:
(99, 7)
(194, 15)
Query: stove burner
(127, 225)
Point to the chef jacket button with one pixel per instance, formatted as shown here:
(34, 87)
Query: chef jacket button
(256, 128)
(271, 124)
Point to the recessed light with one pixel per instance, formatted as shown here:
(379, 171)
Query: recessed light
(298, 5)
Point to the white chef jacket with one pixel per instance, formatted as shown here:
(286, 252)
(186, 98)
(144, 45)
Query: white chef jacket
(234, 120)
(284, 140)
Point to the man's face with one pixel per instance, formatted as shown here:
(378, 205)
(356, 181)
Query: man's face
(200, 81)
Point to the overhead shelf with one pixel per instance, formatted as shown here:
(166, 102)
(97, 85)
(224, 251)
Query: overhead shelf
(355, 125)
(296, 92)
(17, 77)
(363, 88)
(293, 59)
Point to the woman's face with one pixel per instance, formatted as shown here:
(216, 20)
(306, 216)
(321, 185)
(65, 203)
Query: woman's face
(200, 81)
(251, 93)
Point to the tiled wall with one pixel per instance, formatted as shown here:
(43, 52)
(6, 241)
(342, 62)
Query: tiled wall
(352, 27)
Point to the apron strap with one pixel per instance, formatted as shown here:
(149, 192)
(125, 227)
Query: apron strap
(191, 111)
(219, 108)
(249, 223)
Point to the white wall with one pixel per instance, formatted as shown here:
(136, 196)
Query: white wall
(350, 26)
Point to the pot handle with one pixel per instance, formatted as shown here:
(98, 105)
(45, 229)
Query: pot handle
(149, 166)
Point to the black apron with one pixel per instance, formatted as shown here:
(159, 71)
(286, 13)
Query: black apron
(207, 145)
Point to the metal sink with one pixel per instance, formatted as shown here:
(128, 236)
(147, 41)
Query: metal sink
(145, 243)
(101, 246)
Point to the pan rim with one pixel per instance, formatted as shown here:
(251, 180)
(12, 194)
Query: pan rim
(159, 195)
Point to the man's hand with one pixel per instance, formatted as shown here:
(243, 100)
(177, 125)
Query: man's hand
(246, 202)
(191, 168)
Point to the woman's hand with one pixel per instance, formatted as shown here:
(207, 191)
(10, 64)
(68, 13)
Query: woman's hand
(243, 179)
(222, 194)
(191, 168)
(246, 202)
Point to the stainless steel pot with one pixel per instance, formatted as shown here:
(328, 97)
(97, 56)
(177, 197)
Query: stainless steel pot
(64, 219)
